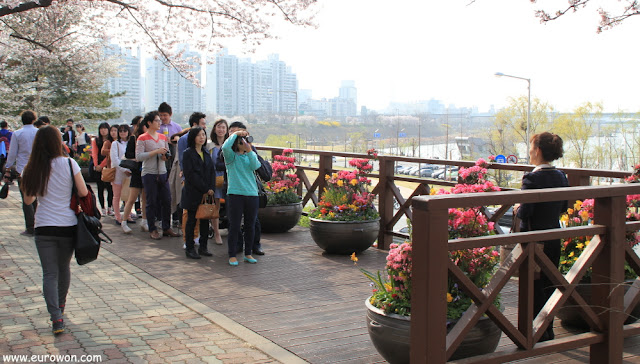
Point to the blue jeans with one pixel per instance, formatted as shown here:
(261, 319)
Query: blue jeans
(156, 188)
(237, 207)
(55, 256)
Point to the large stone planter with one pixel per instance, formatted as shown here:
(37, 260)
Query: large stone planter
(391, 333)
(573, 316)
(344, 237)
(279, 218)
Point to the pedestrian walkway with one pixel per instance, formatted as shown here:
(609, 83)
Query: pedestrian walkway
(115, 313)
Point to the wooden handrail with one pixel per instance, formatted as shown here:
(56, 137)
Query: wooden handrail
(388, 192)
(605, 256)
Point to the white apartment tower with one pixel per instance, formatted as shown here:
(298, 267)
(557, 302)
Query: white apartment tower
(167, 85)
(128, 81)
(238, 87)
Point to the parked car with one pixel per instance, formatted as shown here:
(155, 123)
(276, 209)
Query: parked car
(443, 173)
(399, 167)
(426, 171)
(410, 170)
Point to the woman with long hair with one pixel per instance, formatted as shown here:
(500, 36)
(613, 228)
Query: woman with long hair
(48, 176)
(545, 148)
(106, 152)
(135, 185)
(219, 134)
(118, 148)
(99, 162)
(199, 179)
(242, 193)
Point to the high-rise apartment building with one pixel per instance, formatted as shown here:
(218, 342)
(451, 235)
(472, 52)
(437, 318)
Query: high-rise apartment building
(128, 81)
(167, 85)
(239, 87)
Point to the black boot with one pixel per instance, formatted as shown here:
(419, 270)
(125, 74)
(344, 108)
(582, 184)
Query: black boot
(191, 253)
(204, 251)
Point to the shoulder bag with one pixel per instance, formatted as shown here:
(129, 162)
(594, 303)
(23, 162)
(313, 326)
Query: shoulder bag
(108, 173)
(89, 232)
(262, 194)
(208, 209)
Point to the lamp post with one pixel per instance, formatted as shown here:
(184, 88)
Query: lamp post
(500, 74)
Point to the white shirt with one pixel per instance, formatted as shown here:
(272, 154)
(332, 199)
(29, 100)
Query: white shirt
(117, 154)
(53, 207)
(21, 144)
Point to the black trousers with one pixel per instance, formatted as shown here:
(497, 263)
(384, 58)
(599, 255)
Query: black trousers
(190, 227)
(543, 288)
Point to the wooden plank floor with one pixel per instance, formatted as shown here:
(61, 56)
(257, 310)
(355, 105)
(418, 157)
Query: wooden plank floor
(301, 299)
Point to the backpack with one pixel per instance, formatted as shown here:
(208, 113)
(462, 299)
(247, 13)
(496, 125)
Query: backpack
(87, 138)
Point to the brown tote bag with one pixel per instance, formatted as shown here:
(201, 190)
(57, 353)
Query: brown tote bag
(207, 209)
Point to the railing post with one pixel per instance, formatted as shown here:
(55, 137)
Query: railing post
(325, 167)
(429, 286)
(385, 201)
(607, 279)
(578, 179)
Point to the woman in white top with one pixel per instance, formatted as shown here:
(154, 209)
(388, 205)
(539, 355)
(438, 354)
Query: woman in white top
(118, 147)
(48, 178)
(82, 139)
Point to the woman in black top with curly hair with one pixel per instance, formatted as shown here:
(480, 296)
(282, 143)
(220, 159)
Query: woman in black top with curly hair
(545, 148)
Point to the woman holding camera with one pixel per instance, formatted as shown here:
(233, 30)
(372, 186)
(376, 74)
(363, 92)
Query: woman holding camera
(199, 179)
(152, 149)
(242, 192)
(48, 177)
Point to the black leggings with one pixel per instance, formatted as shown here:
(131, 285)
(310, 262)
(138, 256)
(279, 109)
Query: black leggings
(101, 187)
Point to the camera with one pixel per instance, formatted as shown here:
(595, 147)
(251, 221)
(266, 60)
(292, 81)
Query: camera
(248, 139)
(168, 154)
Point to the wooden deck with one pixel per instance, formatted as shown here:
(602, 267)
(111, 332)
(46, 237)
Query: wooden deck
(301, 299)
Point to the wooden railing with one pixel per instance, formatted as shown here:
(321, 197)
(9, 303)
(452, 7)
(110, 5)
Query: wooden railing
(606, 255)
(388, 192)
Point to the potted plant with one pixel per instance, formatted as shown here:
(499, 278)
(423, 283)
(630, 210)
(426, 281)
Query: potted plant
(582, 214)
(84, 159)
(389, 307)
(284, 207)
(346, 221)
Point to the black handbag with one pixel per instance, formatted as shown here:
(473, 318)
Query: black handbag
(89, 234)
(262, 194)
(265, 171)
(4, 191)
(130, 164)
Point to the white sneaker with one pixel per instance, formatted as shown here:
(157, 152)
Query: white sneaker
(143, 226)
(125, 228)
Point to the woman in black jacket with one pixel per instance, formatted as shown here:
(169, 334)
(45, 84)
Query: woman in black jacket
(545, 148)
(199, 179)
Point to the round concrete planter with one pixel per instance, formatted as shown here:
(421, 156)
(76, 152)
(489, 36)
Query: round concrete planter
(391, 334)
(344, 237)
(279, 218)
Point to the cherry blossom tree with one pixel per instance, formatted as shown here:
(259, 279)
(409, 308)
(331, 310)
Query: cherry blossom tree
(49, 66)
(612, 13)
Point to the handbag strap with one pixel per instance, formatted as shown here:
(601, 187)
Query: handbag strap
(74, 190)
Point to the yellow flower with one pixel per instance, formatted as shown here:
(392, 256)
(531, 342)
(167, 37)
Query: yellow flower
(387, 286)
(353, 257)
(584, 214)
(565, 219)
(586, 243)
(332, 214)
(579, 245)
(571, 254)
(433, 191)
(575, 258)
(326, 176)
(449, 297)
(354, 182)
(340, 183)
(578, 205)
(570, 211)
(563, 262)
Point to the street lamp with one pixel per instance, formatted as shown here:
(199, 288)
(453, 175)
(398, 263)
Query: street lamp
(500, 74)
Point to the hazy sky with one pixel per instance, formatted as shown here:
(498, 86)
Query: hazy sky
(409, 50)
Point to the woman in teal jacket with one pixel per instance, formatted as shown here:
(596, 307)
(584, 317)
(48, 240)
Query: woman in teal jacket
(242, 193)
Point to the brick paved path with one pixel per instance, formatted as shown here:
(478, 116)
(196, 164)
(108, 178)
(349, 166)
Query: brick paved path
(114, 310)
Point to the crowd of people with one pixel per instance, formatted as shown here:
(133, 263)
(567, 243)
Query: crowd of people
(169, 170)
